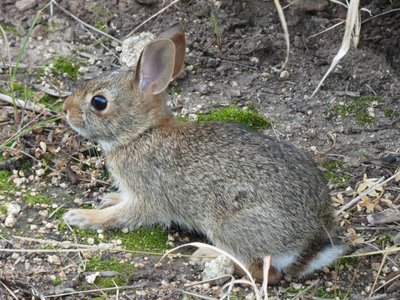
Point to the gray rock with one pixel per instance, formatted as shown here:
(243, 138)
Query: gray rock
(25, 4)
(218, 267)
(38, 31)
(203, 88)
(147, 2)
(69, 34)
(132, 47)
(13, 209)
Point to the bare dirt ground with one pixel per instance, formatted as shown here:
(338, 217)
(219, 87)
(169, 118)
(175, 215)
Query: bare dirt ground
(351, 127)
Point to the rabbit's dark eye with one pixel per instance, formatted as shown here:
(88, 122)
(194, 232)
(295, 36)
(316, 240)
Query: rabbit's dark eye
(99, 102)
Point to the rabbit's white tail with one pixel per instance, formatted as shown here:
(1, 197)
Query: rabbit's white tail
(324, 258)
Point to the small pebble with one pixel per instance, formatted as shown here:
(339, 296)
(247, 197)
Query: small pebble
(54, 259)
(10, 221)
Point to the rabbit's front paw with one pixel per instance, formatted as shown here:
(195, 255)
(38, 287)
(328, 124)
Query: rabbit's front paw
(109, 199)
(83, 218)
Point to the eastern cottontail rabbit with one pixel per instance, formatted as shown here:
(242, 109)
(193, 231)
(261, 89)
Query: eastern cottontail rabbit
(250, 194)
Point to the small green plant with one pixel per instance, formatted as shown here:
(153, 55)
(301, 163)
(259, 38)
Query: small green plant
(3, 209)
(106, 263)
(51, 102)
(5, 184)
(390, 113)
(249, 118)
(334, 172)
(66, 65)
(358, 109)
(56, 281)
(22, 91)
(32, 200)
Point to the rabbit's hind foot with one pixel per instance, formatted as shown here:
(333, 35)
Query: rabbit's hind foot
(107, 200)
(96, 218)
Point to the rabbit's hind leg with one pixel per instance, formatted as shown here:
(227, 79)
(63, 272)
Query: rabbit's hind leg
(123, 214)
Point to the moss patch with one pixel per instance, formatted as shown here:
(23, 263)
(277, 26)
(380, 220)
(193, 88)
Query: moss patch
(144, 239)
(357, 109)
(390, 113)
(22, 91)
(106, 263)
(3, 209)
(37, 199)
(51, 102)
(5, 185)
(334, 172)
(56, 281)
(249, 118)
(66, 65)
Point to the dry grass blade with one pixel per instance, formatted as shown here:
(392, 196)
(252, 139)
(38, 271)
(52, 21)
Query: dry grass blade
(9, 290)
(235, 260)
(152, 17)
(378, 184)
(389, 250)
(326, 30)
(351, 19)
(285, 30)
(267, 266)
(379, 272)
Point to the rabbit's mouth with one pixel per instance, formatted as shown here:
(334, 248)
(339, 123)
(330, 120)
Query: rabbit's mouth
(78, 129)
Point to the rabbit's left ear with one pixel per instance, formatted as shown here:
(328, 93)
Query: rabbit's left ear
(156, 66)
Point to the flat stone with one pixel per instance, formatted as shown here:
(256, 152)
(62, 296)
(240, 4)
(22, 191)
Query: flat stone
(23, 5)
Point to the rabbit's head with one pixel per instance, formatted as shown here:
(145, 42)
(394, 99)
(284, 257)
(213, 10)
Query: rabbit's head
(123, 105)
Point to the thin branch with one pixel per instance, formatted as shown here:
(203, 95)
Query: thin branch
(84, 23)
(152, 17)
(374, 187)
(36, 107)
(381, 14)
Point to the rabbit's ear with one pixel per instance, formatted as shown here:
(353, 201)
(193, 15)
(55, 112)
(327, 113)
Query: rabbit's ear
(156, 66)
(176, 34)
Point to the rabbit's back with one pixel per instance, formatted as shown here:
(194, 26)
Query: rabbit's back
(224, 180)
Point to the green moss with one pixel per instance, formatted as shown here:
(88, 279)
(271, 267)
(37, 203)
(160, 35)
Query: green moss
(51, 102)
(26, 165)
(66, 65)
(357, 109)
(390, 113)
(56, 281)
(3, 209)
(384, 240)
(152, 239)
(249, 118)
(37, 199)
(7, 27)
(101, 15)
(22, 91)
(147, 239)
(5, 185)
(182, 119)
(178, 90)
(334, 172)
(106, 263)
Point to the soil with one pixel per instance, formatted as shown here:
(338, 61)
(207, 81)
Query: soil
(354, 121)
